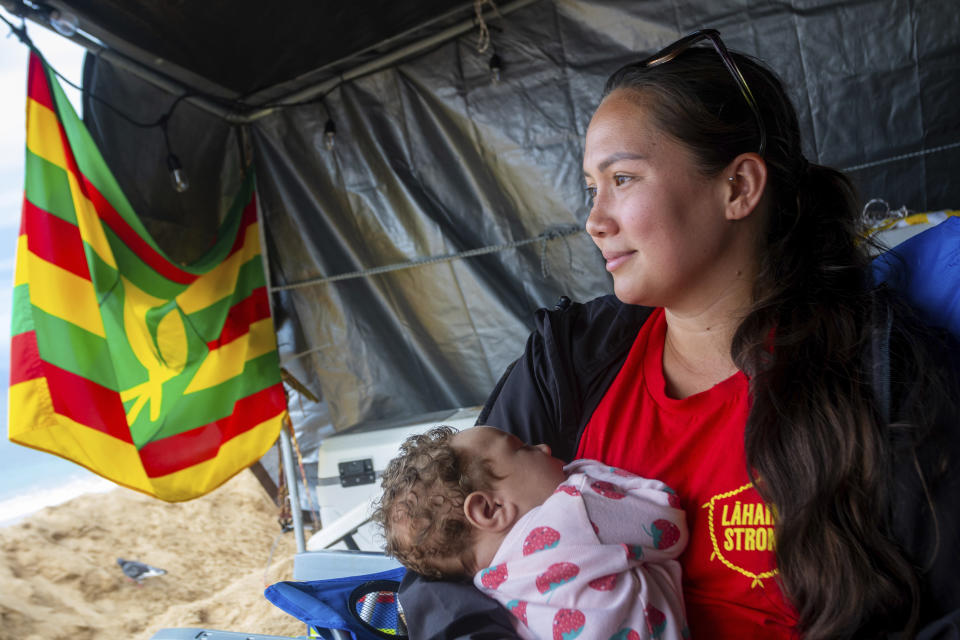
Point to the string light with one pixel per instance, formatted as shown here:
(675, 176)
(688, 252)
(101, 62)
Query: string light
(329, 128)
(178, 177)
(496, 68)
(63, 22)
(329, 134)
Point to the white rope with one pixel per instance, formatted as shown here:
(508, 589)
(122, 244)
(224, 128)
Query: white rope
(905, 156)
(483, 35)
(543, 237)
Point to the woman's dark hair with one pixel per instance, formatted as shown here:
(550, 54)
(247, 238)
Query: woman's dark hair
(816, 446)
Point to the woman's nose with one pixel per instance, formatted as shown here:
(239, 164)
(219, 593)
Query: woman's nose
(599, 223)
(544, 447)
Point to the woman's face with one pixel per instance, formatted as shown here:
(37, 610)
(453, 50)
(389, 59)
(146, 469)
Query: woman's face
(659, 222)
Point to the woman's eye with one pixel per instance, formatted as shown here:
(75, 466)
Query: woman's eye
(619, 180)
(591, 191)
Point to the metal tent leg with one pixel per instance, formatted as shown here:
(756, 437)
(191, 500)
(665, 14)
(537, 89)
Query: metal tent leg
(286, 450)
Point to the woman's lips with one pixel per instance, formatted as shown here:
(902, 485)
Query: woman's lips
(616, 258)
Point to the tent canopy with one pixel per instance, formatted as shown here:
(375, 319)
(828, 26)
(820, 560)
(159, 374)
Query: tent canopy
(244, 47)
(250, 50)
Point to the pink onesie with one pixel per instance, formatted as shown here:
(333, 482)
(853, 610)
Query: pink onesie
(596, 561)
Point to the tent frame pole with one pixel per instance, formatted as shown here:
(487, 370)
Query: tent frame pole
(293, 491)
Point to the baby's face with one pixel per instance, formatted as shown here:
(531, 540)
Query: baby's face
(528, 474)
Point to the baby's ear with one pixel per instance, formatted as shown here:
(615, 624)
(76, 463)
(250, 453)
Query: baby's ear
(486, 510)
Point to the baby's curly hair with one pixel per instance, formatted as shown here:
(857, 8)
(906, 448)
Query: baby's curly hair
(421, 509)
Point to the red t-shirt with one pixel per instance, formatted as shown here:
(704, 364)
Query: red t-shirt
(695, 446)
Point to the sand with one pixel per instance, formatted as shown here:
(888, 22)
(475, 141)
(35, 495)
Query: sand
(59, 576)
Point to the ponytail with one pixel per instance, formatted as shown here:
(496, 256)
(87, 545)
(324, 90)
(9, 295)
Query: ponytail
(815, 443)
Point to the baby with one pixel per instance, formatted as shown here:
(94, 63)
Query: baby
(582, 550)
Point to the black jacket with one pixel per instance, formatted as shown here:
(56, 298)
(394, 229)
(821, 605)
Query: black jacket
(549, 394)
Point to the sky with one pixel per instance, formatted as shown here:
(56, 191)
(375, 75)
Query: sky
(33, 477)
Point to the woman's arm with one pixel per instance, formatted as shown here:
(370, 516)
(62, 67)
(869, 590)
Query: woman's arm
(441, 610)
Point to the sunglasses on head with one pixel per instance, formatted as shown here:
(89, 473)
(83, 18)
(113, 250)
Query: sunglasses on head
(670, 52)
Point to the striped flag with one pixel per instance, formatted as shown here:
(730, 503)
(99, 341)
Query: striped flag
(160, 377)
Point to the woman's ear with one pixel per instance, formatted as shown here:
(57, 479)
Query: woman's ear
(487, 511)
(746, 180)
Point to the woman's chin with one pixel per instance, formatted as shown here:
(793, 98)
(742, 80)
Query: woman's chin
(631, 295)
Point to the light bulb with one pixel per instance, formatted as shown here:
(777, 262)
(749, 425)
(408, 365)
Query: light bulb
(177, 175)
(64, 22)
(329, 134)
(496, 67)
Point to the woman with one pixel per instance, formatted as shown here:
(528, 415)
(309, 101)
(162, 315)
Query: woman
(803, 417)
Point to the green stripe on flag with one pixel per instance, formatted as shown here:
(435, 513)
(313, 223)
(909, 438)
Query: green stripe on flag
(78, 351)
(47, 187)
(21, 315)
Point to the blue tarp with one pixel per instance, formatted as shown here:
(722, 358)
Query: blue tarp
(925, 269)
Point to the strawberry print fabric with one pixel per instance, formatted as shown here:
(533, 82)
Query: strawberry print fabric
(596, 561)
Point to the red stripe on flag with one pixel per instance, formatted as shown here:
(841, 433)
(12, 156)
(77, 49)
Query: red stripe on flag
(187, 449)
(38, 87)
(55, 240)
(254, 307)
(87, 403)
(25, 362)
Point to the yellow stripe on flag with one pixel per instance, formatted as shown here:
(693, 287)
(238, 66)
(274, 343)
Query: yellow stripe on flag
(20, 274)
(61, 293)
(91, 228)
(229, 360)
(43, 134)
(236, 454)
(221, 281)
(34, 423)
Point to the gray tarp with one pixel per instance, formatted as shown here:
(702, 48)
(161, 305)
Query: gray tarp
(432, 157)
